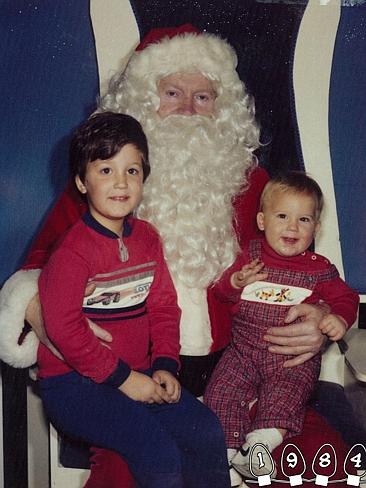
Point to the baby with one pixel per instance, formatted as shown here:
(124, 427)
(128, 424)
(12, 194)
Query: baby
(269, 276)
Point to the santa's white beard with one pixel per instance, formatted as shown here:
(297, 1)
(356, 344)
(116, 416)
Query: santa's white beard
(196, 170)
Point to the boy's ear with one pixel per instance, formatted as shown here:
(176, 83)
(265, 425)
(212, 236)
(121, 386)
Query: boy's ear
(260, 220)
(80, 185)
(317, 228)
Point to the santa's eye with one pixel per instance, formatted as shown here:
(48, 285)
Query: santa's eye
(204, 97)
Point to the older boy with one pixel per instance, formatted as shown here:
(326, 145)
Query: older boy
(126, 396)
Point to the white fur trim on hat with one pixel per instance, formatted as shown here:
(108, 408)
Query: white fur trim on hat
(15, 296)
(186, 53)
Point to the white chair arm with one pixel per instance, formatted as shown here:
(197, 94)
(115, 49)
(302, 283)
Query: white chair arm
(355, 356)
(333, 365)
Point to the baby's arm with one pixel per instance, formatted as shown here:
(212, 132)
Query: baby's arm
(249, 273)
(343, 302)
(334, 326)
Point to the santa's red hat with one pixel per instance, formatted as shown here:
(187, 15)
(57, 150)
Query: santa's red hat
(183, 49)
(156, 35)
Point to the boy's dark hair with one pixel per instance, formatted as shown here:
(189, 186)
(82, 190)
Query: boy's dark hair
(295, 182)
(102, 136)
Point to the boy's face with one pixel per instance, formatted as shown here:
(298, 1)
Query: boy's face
(113, 186)
(289, 222)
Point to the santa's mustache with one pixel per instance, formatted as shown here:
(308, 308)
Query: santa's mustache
(181, 126)
(188, 138)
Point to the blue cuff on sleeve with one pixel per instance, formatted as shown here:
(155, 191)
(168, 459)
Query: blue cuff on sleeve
(167, 364)
(119, 375)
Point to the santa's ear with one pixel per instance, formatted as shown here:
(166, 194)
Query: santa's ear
(80, 185)
(260, 220)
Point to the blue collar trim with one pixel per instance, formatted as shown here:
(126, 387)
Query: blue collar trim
(91, 222)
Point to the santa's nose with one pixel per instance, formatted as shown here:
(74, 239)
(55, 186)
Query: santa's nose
(187, 106)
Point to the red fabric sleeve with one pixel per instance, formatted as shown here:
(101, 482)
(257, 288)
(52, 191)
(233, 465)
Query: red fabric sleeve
(163, 311)
(223, 288)
(246, 206)
(341, 298)
(67, 210)
(62, 297)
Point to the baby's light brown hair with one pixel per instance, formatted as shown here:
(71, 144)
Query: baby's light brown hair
(294, 182)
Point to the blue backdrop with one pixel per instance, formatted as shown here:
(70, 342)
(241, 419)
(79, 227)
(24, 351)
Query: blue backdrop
(49, 83)
(347, 132)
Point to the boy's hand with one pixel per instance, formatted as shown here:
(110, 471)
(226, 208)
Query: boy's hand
(249, 273)
(334, 326)
(142, 388)
(169, 383)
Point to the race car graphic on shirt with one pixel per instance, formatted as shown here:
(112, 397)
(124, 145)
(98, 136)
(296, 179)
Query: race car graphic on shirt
(120, 291)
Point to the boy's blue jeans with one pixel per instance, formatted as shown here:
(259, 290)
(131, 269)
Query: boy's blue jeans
(178, 445)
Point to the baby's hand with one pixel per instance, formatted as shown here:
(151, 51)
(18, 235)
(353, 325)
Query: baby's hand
(334, 326)
(248, 274)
